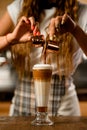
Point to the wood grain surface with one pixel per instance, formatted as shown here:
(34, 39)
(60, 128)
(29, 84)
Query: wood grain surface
(60, 123)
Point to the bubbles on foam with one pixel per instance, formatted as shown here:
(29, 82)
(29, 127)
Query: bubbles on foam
(42, 66)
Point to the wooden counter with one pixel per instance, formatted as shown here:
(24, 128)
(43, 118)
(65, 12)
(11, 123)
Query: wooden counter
(60, 123)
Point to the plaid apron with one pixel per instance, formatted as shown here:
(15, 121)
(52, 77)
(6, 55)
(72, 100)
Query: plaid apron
(24, 99)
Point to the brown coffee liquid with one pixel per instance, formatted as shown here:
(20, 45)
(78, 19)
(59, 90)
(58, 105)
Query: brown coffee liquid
(42, 74)
(42, 109)
(49, 46)
(43, 55)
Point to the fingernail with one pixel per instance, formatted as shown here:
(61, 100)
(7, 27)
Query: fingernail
(32, 28)
(62, 22)
(38, 33)
(34, 33)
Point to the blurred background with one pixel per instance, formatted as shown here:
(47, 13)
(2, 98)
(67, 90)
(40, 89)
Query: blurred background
(7, 72)
(8, 76)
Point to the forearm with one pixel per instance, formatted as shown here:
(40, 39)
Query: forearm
(6, 41)
(81, 38)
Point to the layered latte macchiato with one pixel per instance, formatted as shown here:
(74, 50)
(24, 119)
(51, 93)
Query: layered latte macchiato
(42, 80)
(42, 77)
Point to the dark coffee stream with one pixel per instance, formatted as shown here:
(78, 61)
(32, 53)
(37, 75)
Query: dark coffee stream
(49, 46)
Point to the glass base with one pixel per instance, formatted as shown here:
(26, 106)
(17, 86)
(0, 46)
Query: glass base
(42, 119)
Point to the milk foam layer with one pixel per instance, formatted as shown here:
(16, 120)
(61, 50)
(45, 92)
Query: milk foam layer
(42, 66)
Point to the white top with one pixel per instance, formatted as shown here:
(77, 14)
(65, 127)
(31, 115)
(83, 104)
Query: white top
(14, 9)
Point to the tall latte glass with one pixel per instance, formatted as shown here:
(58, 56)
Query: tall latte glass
(42, 78)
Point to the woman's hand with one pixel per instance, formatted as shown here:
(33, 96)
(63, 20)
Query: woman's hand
(24, 30)
(61, 24)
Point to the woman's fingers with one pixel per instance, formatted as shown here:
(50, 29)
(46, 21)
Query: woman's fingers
(64, 18)
(36, 30)
(54, 26)
(34, 26)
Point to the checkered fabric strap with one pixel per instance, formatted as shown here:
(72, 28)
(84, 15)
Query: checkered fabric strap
(25, 97)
